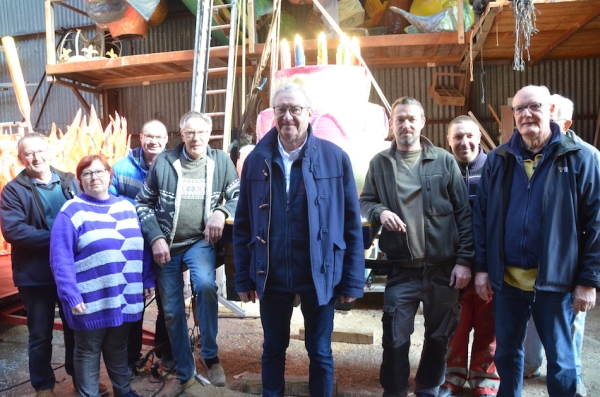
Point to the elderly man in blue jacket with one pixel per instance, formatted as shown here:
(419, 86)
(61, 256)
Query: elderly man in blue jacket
(297, 230)
(536, 224)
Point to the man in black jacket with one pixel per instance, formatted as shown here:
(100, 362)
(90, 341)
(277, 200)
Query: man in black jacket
(28, 207)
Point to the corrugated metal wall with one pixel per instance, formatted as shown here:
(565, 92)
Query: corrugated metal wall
(24, 19)
(577, 80)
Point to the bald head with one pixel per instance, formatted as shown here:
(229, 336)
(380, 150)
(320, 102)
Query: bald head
(531, 109)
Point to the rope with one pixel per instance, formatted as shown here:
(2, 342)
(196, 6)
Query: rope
(524, 14)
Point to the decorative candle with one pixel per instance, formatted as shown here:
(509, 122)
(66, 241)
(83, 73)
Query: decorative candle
(285, 55)
(355, 51)
(339, 55)
(346, 52)
(299, 52)
(322, 50)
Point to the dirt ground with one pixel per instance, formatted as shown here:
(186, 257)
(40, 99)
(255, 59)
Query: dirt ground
(240, 339)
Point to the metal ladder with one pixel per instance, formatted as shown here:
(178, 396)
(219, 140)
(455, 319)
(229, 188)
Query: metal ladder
(201, 70)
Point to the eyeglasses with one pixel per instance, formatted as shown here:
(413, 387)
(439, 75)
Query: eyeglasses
(191, 133)
(153, 137)
(98, 173)
(294, 110)
(533, 107)
(30, 155)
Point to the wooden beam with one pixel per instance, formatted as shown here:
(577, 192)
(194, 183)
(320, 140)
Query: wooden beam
(487, 141)
(507, 123)
(81, 99)
(480, 33)
(574, 28)
(50, 34)
(346, 335)
(79, 87)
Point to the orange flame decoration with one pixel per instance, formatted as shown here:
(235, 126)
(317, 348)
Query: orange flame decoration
(81, 139)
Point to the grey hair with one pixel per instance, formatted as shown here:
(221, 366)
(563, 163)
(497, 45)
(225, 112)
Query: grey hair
(406, 100)
(563, 107)
(155, 123)
(292, 87)
(192, 115)
(28, 137)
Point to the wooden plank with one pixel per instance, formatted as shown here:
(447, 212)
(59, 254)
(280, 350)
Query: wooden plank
(487, 141)
(507, 123)
(50, 34)
(574, 28)
(295, 385)
(347, 335)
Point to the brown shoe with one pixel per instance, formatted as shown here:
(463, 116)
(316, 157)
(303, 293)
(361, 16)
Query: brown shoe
(176, 387)
(44, 393)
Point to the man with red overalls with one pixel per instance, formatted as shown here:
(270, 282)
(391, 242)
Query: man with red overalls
(464, 137)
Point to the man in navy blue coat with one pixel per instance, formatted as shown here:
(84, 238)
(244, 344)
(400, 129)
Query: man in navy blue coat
(297, 230)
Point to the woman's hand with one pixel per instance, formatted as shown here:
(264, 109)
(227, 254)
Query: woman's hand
(79, 308)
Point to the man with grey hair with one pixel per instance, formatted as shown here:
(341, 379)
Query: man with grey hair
(563, 116)
(415, 191)
(536, 224)
(189, 192)
(297, 231)
(28, 207)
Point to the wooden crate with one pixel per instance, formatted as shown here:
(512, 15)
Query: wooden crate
(447, 95)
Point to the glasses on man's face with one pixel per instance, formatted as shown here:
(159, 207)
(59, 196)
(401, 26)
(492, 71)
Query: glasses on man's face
(31, 154)
(294, 110)
(533, 107)
(153, 137)
(89, 174)
(192, 134)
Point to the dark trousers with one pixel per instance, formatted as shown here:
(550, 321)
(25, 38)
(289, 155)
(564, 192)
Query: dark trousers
(275, 314)
(40, 303)
(112, 343)
(405, 289)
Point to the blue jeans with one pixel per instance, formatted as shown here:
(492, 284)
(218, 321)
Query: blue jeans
(200, 259)
(275, 315)
(112, 343)
(40, 303)
(534, 350)
(553, 315)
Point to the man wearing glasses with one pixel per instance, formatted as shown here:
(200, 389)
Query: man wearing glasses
(129, 175)
(297, 231)
(28, 207)
(189, 192)
(537, 241)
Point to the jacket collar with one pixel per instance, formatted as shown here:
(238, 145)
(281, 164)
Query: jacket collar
(565, 143)
(475, 164)
(428, 148)
(65, 178)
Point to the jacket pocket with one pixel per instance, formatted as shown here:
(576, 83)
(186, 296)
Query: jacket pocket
(339, 251)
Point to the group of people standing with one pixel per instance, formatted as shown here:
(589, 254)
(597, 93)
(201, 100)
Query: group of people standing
(521, 224)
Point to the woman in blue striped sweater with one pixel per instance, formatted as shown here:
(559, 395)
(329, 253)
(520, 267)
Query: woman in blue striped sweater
(102, 273)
